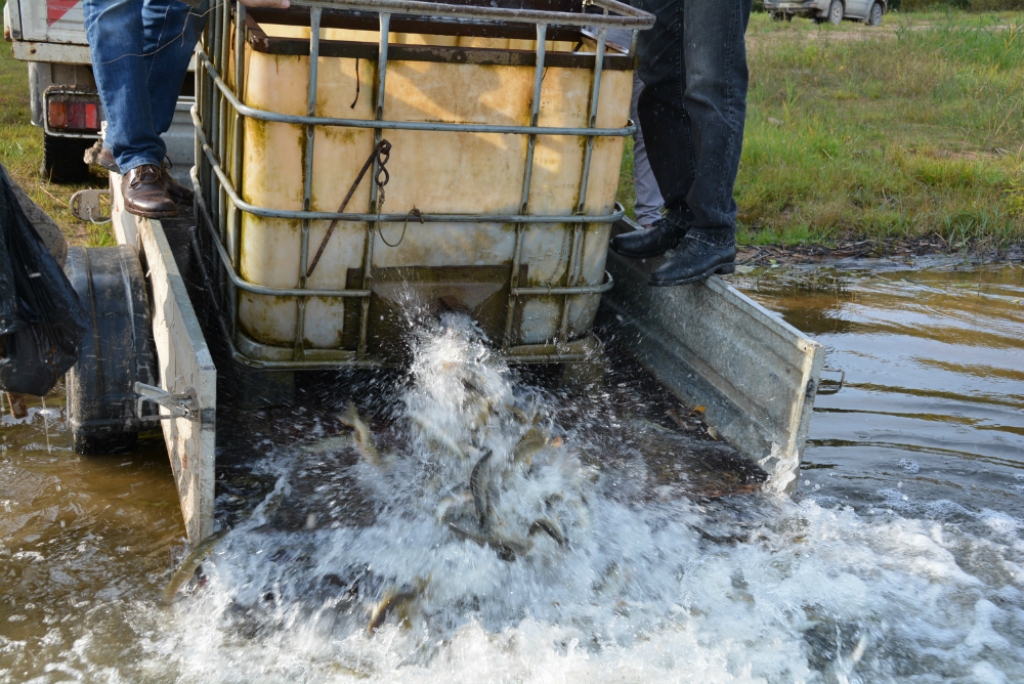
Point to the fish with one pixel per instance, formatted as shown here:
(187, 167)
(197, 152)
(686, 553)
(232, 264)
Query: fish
(507, 549)
(187, 567)
(532, 414)
(328, 444)
(531, 443)
(447, 503)
(437, 436)
(480, 491)
(363, 437)
(392, 599)
(549, 527)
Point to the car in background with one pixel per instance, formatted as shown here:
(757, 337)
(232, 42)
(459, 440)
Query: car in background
(832, 11)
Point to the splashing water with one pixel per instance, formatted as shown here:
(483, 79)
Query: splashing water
(635, 581)
(637, 589)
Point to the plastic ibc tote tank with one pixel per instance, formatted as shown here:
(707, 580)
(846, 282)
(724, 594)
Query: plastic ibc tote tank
(461, 79)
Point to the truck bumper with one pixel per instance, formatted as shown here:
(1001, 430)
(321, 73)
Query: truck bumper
(58, 53)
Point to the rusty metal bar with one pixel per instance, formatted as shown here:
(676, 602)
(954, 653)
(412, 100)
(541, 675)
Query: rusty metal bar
(263, 115)
(630, 16)
(579, 230)
(371, 225)
(307, 180)
(538, 83)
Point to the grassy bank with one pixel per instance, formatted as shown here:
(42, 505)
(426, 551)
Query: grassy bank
(912, 129)
(21, 150)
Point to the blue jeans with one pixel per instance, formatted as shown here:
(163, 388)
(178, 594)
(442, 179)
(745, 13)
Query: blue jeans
(140, 54)
(694, 67)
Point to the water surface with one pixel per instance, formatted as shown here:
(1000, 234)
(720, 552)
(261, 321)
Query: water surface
(900, 559)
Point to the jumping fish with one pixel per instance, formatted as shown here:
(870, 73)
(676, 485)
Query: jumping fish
(187, 568)
(549, 527)
(508, 549)
(531, 415)
(531, 443)
(480, 490)
(446, 504)
(435, 435)
(392, 599)
(364, 438)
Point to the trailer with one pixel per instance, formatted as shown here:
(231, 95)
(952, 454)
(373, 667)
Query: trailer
(338, 181)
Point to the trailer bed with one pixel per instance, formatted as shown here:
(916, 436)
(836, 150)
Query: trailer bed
(714, 390)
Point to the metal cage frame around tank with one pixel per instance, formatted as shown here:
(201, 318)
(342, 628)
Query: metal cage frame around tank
(216, 101)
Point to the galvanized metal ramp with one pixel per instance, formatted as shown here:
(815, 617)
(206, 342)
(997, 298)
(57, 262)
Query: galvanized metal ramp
(712, 346)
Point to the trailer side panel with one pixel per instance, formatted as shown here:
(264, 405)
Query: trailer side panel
(185, 366)
(712, 346)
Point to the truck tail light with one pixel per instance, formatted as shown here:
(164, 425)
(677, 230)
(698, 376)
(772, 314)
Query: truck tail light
(58, 114)
(76, 115)
(72, 110)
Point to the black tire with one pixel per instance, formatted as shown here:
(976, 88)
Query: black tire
(64, 159)
(117, 351)
(835, 12)
(875, 15)
(778, 16)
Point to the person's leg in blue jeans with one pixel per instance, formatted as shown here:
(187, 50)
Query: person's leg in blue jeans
(140, 54)
(172, 31)
(694, 68)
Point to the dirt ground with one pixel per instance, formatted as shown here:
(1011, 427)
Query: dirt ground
(912, 248)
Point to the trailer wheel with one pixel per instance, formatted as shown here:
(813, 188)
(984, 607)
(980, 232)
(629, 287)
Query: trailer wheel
(115, 353)
(64, 159)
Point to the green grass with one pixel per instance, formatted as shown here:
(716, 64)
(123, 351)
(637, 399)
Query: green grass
(913, 129)
(21, 151)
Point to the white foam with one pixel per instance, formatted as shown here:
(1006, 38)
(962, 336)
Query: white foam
(800, 592)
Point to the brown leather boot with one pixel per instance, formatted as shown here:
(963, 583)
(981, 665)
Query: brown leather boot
(178, 192)
(145, 193)
(98, 155)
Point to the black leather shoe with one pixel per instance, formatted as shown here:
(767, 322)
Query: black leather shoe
(695, 260)
(145, 193)
(663, 235)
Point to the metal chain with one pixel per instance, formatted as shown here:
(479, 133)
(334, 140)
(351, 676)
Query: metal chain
(381, 152)
(405, 225)
(382, 179)
(383, 155)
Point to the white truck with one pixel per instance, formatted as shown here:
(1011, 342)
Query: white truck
(50, 36)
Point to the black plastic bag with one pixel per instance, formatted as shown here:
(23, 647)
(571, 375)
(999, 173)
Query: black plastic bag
(41, 320)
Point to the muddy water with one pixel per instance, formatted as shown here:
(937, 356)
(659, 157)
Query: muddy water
(932, 415)
(901, 559)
